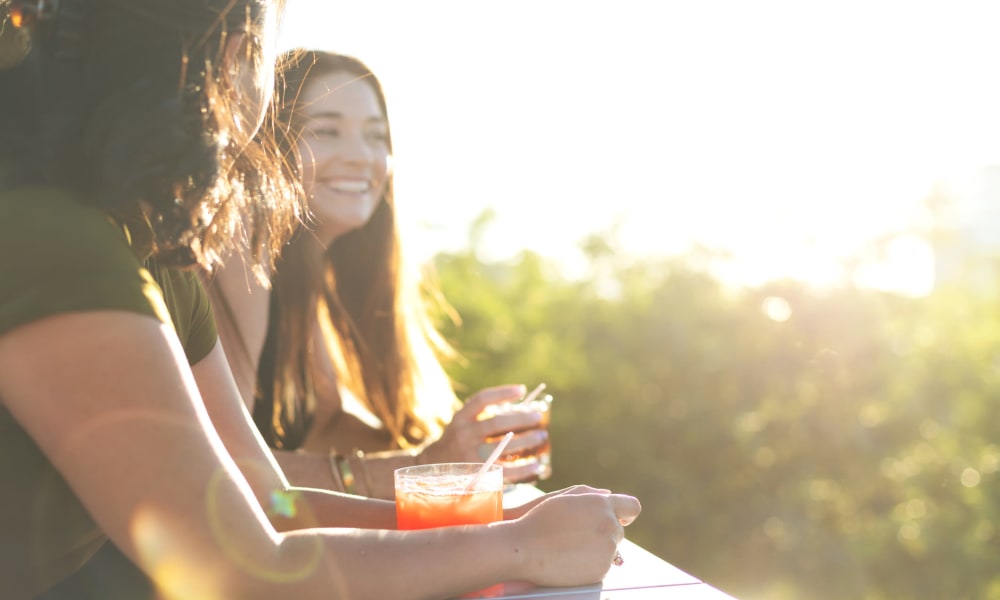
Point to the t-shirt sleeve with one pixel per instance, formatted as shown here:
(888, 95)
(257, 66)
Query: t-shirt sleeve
(191, 311)
(57, 256)
(204, 334)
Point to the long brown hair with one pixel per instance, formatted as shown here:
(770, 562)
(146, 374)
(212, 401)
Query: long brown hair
(126, 103)
(373, 315)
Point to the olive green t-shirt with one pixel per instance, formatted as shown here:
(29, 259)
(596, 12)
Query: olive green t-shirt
(58, 256)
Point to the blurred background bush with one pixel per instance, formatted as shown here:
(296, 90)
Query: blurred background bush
(786, 442)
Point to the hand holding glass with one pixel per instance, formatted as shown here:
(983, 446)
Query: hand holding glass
(540, 455)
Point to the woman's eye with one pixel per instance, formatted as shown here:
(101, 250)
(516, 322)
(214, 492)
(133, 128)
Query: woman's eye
(377, 132)
(327, 132)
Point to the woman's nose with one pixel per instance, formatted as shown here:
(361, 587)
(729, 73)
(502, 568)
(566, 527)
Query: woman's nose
(356, 151)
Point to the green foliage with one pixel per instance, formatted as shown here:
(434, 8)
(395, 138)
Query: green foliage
(785, 443)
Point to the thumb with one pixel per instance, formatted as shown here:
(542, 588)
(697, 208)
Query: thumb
(483, 398)
(626, 508)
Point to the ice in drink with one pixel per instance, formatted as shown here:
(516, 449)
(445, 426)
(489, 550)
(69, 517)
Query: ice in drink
(436, 496)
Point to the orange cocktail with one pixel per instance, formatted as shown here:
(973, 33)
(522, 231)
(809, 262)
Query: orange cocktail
(438, 495)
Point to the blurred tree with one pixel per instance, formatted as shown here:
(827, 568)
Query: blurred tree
(785, 442)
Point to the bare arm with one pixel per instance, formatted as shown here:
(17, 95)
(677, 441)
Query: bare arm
(124, 423)
(240, 304)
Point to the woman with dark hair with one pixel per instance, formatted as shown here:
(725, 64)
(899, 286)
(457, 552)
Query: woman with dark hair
(349, 374)
(127, 162)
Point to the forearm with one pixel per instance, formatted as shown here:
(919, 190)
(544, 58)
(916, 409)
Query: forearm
(372, 472)
(364, 564)
(324, 508)
(314, 500)
(305, 469)
(430, 564)
(375, 478)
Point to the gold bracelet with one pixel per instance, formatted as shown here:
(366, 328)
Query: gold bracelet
(350, 481)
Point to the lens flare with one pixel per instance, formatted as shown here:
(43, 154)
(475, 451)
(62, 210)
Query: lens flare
(238, 555)
(163, 556)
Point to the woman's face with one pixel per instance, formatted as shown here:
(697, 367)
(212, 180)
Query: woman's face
(345, 152)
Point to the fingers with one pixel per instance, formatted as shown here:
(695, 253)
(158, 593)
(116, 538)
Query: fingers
(492, 395)
(463, 437)
(522, 443)
(580, 489)
(525, 441)
(522, 473)
(512, 421)
(626, 508)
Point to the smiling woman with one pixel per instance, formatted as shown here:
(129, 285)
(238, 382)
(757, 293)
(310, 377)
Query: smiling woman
(340, 360)
(345, 149)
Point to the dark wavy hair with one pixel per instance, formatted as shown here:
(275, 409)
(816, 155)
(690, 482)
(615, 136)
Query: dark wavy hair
(126, 103)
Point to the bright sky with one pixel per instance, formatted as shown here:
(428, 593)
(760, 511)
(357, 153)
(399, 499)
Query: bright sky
(787, 132)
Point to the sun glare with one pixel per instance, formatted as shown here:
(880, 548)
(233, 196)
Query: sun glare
(757, 130)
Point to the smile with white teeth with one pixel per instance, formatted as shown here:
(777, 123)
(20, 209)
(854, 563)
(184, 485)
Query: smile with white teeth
(349, 187)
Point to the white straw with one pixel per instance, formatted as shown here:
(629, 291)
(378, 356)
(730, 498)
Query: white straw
(489, 461)
(538, 390)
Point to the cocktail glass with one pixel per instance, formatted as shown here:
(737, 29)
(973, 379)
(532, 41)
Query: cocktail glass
(438, 495)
